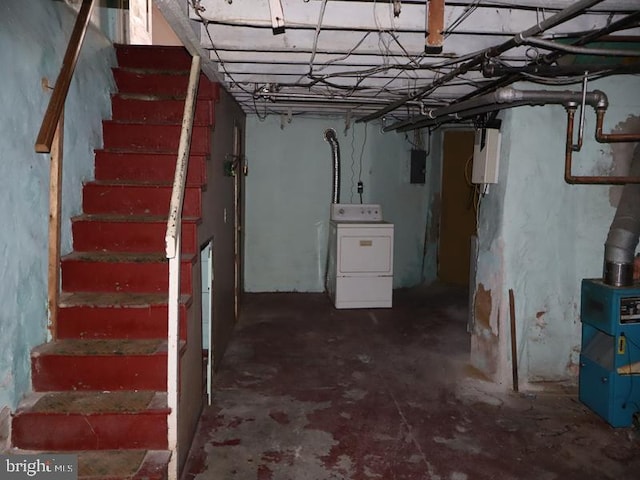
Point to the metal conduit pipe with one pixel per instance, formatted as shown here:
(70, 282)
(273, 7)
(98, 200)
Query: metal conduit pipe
(455, 117)
(500, 99)
(562, 16)
(624, 232)
(548, 59)
(331, 137)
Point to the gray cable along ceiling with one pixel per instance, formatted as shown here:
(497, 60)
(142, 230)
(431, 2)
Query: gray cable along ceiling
(375, 59)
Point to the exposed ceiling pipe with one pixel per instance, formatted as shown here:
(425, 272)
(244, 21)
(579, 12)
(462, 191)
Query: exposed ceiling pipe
(555, 46)
(624, 232)
(320, 98)
(610, 138)
(509, 97)
(331, 137)
(552, 57)
(495, 70)
(560, 17)
(500, 99)
(435, 26)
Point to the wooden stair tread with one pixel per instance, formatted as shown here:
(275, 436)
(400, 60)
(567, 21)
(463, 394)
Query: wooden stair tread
(122, 217)
(94, 403)
(138, 151)
(115, 257)
(101, 347)
(151, 97)
(124, 299)
(154, 71)
(132, 183)
(123, 464)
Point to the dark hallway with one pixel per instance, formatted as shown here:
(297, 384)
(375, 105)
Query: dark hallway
(306, 391)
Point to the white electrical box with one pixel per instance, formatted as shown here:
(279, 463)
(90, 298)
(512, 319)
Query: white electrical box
(486, 156)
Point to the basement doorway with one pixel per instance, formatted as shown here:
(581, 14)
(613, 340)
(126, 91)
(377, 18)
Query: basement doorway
(207, 277)
(457, 216)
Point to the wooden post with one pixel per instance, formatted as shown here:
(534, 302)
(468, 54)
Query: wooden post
(55, 196)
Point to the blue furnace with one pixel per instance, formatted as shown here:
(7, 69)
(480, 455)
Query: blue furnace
(610, 352)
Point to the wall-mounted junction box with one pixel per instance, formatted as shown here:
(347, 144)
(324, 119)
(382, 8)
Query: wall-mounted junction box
(486, 156)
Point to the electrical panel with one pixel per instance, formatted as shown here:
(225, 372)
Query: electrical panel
(486, 156)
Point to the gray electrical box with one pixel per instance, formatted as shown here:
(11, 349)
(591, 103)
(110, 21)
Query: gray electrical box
(418, 166)
(486, 156)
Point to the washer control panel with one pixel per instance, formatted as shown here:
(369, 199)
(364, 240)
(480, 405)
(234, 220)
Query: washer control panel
(356, 212)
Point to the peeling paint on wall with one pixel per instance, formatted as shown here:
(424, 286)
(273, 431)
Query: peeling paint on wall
(552, 233)
(485, 345)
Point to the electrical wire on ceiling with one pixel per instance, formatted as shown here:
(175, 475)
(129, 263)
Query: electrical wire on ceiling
(406, 69)
(402, 74)
(198, 9)
(461, 18)
(317, 36)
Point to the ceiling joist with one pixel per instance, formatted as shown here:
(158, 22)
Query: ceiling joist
(403, 53)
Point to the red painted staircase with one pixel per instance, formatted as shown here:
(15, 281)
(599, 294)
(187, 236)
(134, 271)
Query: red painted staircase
(100, 386)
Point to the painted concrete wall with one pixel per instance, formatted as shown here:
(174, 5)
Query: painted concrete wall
(432, 205)
(540, 236)
(288, 193)
(33, 40)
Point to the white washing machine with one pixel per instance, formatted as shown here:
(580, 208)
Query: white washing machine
(360, 270)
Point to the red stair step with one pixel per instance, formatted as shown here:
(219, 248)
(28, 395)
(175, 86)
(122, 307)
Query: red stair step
(148, 167)
(104, 365)
(164, 83)
(122, 272)
(148, 56)
(136, 199)
(158, 110)
(129, 233)
(117, 315)
(123, 464)
(68, 421)
(152, 137)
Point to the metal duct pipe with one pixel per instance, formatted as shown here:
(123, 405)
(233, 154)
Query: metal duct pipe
(624, 232)
(331, 137)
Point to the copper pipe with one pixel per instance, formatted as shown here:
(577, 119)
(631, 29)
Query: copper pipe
(435, 19)
(586, 180)
(612, 137)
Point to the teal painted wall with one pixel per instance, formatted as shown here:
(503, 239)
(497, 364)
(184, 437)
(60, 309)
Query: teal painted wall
(540, 236)
(33, 40)
(288, 193)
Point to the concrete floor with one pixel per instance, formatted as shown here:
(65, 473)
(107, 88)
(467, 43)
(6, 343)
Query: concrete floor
(307, 392)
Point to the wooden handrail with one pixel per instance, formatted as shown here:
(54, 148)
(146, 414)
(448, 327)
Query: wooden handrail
(173, 248)
(180, 177)
(59, 96)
